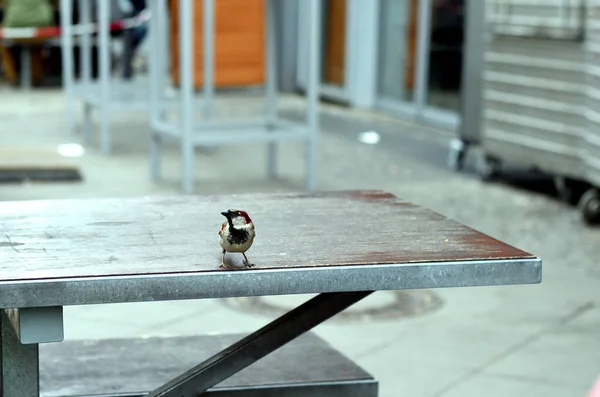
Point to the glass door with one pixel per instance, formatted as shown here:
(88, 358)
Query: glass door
(445, 58)
(334, 48)
(420, 59)
(396, 79)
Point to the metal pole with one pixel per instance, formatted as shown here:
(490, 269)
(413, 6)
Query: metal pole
(271, 82)
(423, 37)
(25, 67)
(469, 131)
(127, 57)
(19, 363)
(258, 344)
(161, 51)
(186, 66)
(85, 67)
(156, 52)
(312, 90)
(209, 58)
(103, 8)
(66, 42)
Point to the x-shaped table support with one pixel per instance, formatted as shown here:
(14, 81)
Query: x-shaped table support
(258, 344)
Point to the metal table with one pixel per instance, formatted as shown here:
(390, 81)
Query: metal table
(343, 245)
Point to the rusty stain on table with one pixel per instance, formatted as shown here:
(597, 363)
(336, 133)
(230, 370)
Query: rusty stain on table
(161, 235)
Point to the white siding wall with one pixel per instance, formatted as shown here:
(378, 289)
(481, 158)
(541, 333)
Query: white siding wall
(591, 141)
(534, 84)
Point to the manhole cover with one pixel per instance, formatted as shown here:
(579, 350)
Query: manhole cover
(382, 305)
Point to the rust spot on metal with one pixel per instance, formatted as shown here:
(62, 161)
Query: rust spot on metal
(371, 194)
(481, 244)
(361, 228)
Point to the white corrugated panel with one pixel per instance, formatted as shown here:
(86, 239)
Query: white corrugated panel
(542, 89)
(559, 19)
(591, 140)
(534, 84)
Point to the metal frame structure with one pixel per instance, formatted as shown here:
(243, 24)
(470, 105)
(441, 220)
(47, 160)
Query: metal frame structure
(258, 344)
(338, 288)
(20, 36)
(32, 299)
(19, 367)
(270, 128)
(330, 374)
(143, 288)
(103, 94)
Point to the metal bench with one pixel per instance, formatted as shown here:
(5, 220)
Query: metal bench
(133, 367)
(342, 245)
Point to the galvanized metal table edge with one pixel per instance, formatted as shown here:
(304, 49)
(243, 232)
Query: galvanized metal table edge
(263, 282)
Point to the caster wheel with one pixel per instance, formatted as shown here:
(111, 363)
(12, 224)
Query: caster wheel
(569, 190)
(456, 155)
(488, 168)
(590, 206)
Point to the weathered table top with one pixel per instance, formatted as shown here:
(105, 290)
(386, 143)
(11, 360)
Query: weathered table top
(66, 252)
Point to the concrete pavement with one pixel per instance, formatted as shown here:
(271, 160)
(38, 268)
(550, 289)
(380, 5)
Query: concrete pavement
(537, 340)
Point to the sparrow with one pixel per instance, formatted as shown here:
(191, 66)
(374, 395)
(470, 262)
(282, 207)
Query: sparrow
(236, 235)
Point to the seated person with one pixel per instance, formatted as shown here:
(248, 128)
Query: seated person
(135, 35)
(24, 14)
(139, 32)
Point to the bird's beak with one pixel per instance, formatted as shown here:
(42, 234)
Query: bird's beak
(225, 213)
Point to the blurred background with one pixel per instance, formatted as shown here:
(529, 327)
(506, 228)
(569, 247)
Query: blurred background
(485, 111)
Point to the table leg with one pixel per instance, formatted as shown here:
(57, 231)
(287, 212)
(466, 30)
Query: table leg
(127, 57)
(25, 67)
(258, 344)
(19, 364)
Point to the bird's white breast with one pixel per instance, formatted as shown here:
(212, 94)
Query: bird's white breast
(245, 246)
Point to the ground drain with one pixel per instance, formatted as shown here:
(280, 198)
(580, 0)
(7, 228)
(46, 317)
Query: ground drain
(382, 305)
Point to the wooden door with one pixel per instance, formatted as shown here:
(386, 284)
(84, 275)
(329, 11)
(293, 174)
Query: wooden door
(411, 59)
(335, 42)
(239, 42)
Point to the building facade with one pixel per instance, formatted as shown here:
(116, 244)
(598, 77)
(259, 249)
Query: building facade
(404, 57)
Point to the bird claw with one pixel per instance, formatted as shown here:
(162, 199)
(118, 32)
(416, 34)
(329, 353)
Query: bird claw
(230, 267)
